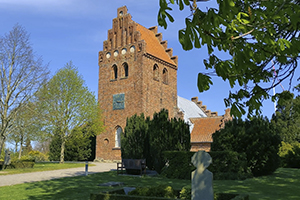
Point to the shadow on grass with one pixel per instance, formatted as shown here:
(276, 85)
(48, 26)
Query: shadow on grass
(81, 187)
(283, 184)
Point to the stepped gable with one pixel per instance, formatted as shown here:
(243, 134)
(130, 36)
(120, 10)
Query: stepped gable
(154, 46)
(126, 32)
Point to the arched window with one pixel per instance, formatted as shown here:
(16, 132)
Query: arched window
(165, 76)
(125, 69)
(114, 72)
(155, 72)
(118, 136)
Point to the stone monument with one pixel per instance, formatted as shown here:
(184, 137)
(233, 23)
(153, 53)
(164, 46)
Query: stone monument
(7, 160)
(202, 187)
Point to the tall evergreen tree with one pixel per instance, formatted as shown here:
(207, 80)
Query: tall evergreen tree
(145, 138)
(135, 140)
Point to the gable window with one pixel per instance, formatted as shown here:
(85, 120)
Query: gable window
(165, 76)
(155, 72)
(114, 72)
(118, 136)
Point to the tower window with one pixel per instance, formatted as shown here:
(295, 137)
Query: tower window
(118, 136)
(114, 72)
(125, 69)
(155, 72)
(165, 76)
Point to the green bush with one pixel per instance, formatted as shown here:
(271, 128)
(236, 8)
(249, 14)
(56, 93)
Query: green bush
(19, 164)
(229, 165)
(257, 138)
(178, 165)
(156, 191)
(290, 155)
(283, 152)
(38, 156)
(226, 165)
(186, 193)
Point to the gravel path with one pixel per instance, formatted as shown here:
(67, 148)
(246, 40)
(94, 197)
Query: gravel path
(48, 175)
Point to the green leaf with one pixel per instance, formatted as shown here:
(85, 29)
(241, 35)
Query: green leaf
(187, 2)
(170, 17)
(237, 109)
(204, 82)
(181, 6)
(231, 3)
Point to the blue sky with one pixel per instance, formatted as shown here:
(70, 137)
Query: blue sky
(64, 30)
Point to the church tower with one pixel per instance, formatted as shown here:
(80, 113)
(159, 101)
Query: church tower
(137, 74)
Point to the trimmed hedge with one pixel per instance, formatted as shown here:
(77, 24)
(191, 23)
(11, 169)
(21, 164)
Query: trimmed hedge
(178, 165)
(225, 165)
(19, 164)
(229, 165)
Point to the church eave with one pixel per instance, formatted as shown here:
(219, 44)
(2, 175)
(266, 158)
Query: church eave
(150, 56)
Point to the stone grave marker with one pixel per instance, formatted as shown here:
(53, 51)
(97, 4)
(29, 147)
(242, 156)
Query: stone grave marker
(202, 187)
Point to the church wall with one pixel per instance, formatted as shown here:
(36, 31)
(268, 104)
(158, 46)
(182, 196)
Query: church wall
(130, 87)
(157, 94)
(203, 146)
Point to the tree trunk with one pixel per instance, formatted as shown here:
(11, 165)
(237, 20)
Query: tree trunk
(62, 151)
(16, 147)
(2, 141)
(20, 151)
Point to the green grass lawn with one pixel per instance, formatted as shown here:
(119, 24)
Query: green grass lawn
(284, 184)
(42, 166)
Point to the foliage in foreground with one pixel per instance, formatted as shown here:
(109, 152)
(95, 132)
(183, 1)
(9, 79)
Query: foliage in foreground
(257, 139)
(145, 138)
(255, 35)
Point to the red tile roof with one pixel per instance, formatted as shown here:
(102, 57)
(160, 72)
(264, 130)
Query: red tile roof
(153, 46)
(204, 128)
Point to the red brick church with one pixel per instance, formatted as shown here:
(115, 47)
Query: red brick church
(138, 74)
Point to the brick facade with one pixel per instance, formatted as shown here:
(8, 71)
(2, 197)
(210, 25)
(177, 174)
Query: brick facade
(137, 74)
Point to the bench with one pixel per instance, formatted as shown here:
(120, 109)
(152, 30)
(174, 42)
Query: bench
(132, 164)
